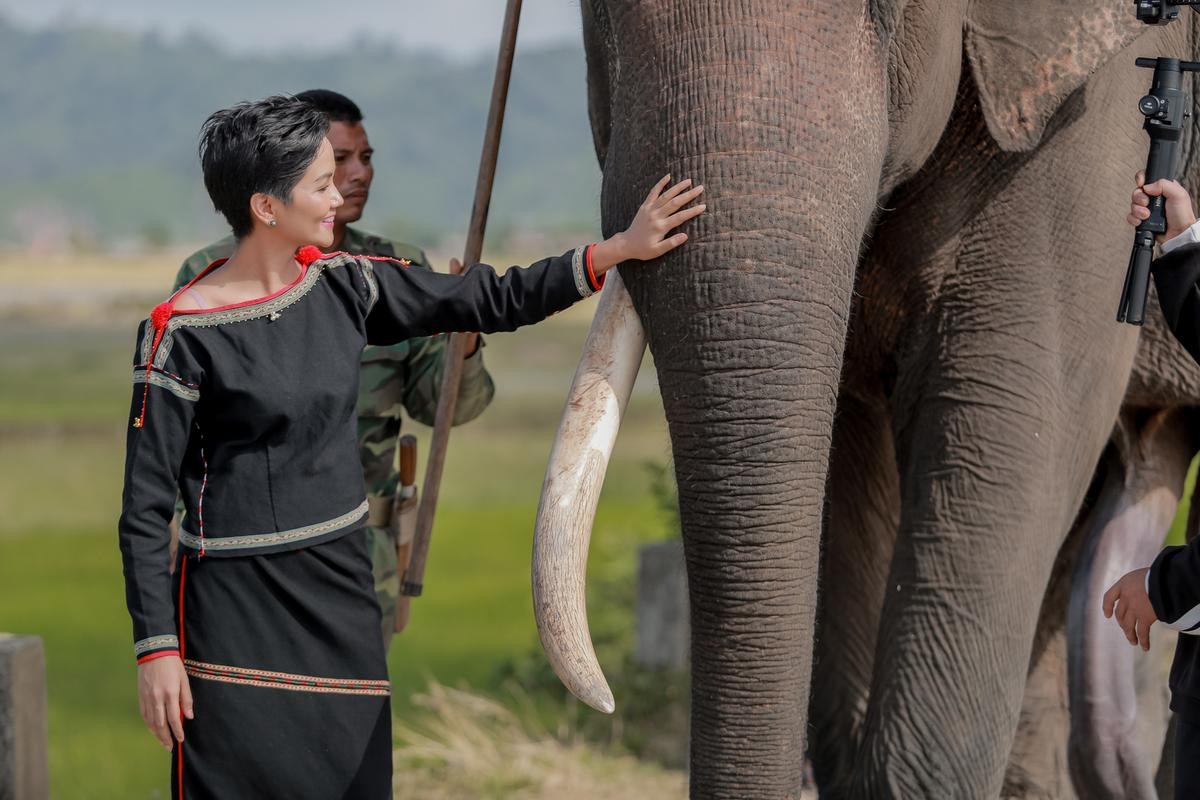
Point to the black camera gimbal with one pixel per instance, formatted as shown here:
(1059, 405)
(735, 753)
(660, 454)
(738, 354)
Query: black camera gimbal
(1166, 109)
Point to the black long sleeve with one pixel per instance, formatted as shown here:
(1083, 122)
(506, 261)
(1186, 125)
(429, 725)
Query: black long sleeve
(417, 302)
(160, 423)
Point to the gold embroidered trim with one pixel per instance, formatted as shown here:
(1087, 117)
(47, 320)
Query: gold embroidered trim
(286, 680)
(582, 285)
(154, 643)
(211, 543)
(147, 343)
(368, 273)
(208, 319)
(162, 381)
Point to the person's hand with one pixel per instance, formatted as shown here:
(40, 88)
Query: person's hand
(1134, 613)
(647, 236)
(163, 692)
(472, 339)
(1180, 215)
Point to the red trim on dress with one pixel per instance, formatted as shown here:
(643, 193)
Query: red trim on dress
(158, 654)
(164, 311)
(597, 285)
(404, 262)
(179, 745)
(200, 502)
(230, 306)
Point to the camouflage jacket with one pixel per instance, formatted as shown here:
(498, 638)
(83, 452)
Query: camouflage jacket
(405, 375)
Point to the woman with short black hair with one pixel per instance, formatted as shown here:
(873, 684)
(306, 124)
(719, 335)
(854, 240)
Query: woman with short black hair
(263, 645)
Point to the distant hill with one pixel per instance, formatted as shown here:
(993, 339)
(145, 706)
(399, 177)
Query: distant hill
(98, 140)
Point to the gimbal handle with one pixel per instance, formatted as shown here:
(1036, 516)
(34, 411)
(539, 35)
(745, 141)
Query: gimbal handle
(1166, 108)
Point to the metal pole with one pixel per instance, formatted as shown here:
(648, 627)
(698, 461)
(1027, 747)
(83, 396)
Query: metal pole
(414, 577)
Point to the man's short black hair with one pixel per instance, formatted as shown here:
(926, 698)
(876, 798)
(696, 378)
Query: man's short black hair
(337, 107)
(260, 146)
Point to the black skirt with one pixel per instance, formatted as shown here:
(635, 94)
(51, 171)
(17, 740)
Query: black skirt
(288, 676)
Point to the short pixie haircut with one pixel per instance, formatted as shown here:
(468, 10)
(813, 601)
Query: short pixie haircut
(260, 146)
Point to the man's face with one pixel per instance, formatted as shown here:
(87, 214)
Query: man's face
(353, 170)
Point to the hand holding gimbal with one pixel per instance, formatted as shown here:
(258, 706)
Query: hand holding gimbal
(1166, 108)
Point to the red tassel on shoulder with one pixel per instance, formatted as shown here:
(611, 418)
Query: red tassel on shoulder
(159, 318)
(308, 254)
(160, 315)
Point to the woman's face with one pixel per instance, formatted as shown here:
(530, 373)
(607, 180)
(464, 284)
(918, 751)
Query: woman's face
(308, 218)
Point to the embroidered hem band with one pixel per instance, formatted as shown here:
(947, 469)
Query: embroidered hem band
(285, 680)
(221, 543)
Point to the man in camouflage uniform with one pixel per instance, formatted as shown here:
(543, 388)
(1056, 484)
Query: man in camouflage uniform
(406, 375)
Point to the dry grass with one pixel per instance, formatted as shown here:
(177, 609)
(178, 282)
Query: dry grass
(462, 745)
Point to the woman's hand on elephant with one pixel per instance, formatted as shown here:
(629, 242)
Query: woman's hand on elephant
(1180, 215)
(646, 237)
(1132, 606)
(163, 693)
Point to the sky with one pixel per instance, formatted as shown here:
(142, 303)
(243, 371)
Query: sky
(458, 29)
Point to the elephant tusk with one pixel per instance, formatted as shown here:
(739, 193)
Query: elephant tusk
(599, 393)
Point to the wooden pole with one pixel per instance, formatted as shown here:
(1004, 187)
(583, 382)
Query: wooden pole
(414, 577)
(401, 511)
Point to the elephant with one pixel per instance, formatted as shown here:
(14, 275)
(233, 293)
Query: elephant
(905, 425)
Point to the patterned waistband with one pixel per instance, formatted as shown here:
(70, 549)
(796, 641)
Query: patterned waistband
(286, 680)
(223, 543)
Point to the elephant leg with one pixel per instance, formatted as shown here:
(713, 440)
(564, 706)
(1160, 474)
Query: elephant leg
(988, 494)
(862, 513)
(1038, 763)
(1118, 696)
(992, 475)
(1009, 374)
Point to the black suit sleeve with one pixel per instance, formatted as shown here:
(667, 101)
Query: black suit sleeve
(412, 302)
(1175, 276)
(1173, 582)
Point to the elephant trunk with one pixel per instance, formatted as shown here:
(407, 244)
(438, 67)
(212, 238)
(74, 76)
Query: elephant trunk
(1116, 729)
(747, 322)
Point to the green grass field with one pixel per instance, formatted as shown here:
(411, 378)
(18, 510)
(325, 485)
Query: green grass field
(64, 395)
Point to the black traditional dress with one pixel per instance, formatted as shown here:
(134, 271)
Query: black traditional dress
(247, 410)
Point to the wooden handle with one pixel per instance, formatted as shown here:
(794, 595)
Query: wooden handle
(408, 460)
(414, 578)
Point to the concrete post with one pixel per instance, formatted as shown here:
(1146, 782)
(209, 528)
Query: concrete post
(24, 772)
(663, 638)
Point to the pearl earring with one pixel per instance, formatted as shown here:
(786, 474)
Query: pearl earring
(272, 223)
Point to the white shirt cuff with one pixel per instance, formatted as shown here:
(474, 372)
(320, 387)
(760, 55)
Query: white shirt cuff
(1189, 236)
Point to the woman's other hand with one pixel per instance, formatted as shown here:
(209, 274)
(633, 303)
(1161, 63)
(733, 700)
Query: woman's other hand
(1180, 215)
(647, 236)
(163, 694)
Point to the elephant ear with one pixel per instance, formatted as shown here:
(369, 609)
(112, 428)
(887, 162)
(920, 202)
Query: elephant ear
(1027, 56)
